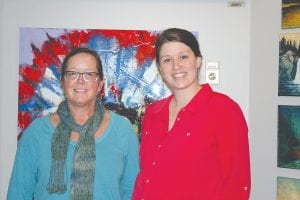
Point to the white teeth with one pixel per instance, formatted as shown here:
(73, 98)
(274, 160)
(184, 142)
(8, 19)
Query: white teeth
(80, 90)
(179, 75)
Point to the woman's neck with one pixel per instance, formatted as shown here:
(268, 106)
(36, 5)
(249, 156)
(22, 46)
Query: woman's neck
(82, 114)
(182, 97)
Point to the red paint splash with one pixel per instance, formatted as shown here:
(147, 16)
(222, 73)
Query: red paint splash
(26, 91)
(144, 52)
(31, 73)
(143, 40)
(53, 49)
(76, 38)
(24, 119)
(113, 89)
(56, 46)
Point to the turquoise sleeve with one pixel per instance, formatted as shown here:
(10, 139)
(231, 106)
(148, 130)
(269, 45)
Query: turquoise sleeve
(23, 178)
(131, 164)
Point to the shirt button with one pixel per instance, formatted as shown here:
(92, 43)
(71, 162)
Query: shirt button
(188, 134)
(159, 146)
(146, 133)
(153, 163)
(178, 118)
(147, 181)
(245, 188)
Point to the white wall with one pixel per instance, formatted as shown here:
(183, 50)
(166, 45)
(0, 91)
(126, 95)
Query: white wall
(263, 96)
(1, 90)
(224, 35)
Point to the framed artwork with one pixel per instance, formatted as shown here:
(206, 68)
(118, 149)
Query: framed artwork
(131, 80)
(288, 154)
(289, 65)
(288, 188)
(290, 14)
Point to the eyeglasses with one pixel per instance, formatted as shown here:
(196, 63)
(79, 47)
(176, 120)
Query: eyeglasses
(87, 76)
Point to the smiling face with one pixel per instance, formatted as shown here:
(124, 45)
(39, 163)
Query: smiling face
(79, 92)
(178, 66)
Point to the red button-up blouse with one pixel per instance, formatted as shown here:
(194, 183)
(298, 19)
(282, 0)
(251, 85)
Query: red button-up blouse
(205, 156)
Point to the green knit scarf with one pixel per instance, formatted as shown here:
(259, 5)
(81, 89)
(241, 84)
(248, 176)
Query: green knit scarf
(83, 168)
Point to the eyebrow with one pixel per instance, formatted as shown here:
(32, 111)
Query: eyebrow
(77, 70)
(181, 52)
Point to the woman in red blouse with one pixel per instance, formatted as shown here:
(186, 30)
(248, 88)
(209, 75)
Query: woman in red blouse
(194, 143)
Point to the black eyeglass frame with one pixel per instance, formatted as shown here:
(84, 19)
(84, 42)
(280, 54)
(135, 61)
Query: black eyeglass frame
(85, 75)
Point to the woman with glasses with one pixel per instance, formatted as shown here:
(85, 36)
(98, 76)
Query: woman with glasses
(194, 143)
(81, 152)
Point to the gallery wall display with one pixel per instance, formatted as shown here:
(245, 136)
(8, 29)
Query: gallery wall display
(290, 14)
(288, 154)
(289, 65)
(288, 116)
(288, 188)
(131, 77)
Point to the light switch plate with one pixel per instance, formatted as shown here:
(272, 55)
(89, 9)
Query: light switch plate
(212, 72)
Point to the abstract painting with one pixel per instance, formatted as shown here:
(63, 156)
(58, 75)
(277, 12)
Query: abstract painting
(131, 79)
(288, 188)
(288, 154)
(289, 65)
(290, 14)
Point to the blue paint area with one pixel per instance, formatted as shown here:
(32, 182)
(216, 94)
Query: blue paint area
(55, 71)
(121, 70)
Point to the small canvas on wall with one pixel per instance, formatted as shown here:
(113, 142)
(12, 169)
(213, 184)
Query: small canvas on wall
(288, 188)
(289, 65)
(288, 154)
(290, 11)
(131, 79)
